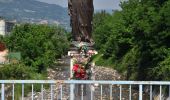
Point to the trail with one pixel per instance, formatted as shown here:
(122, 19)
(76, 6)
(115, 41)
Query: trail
(62, 72)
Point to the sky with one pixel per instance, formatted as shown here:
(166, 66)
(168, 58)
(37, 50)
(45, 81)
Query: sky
(98, 4)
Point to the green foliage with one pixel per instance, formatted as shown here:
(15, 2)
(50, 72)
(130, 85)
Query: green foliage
(39, 45)
(129, 63)
(137, 39)
(1, 38)
(15, 71)
(161, 72)
(20, 72)
(102, 31)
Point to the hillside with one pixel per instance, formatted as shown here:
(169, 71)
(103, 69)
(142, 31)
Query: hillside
(34, 12)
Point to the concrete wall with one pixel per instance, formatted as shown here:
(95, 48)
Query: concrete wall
(6, 26)
(2, 27)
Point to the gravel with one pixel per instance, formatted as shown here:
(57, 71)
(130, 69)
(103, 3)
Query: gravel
(99, 73)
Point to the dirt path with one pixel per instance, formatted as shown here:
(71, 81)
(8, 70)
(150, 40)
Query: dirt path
(63, 72)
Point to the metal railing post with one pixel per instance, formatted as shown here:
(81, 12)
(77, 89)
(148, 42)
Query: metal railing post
(22, 91)
(101, 92)
(13, 91)
(91, 90)
(2, 92)
(169, 90)
(51, 91)
(72, 84)
(42, 93)
(82, 91)
(32, 92)
(71, 91)
(150, 92)
(140, 92)
(160, 94)
(111, 96)
(120, 92)
(130, 92)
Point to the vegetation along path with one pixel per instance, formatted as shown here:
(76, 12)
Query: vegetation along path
(62, 72)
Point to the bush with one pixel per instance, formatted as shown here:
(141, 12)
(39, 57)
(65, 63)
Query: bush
(15, 71)
(40, 45)
(21, 72)
(137, 39)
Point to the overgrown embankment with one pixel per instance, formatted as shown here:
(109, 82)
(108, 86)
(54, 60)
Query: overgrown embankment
(135, 40)
(39, 45)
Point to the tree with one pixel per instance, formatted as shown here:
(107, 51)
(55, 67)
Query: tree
(138, 39)
(39, 45)
(101, 31)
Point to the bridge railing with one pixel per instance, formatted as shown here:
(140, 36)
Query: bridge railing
(123, 87)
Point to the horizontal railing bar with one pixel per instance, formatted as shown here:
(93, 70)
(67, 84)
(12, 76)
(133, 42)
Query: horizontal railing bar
(86, 82)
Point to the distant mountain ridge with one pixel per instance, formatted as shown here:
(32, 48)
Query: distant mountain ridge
(110, 11)
(34, 12)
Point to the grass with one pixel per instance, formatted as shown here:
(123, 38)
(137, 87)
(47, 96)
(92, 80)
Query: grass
(99, 61)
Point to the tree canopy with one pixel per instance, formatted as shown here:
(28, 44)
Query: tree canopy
(136, 39)
(40, 45)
